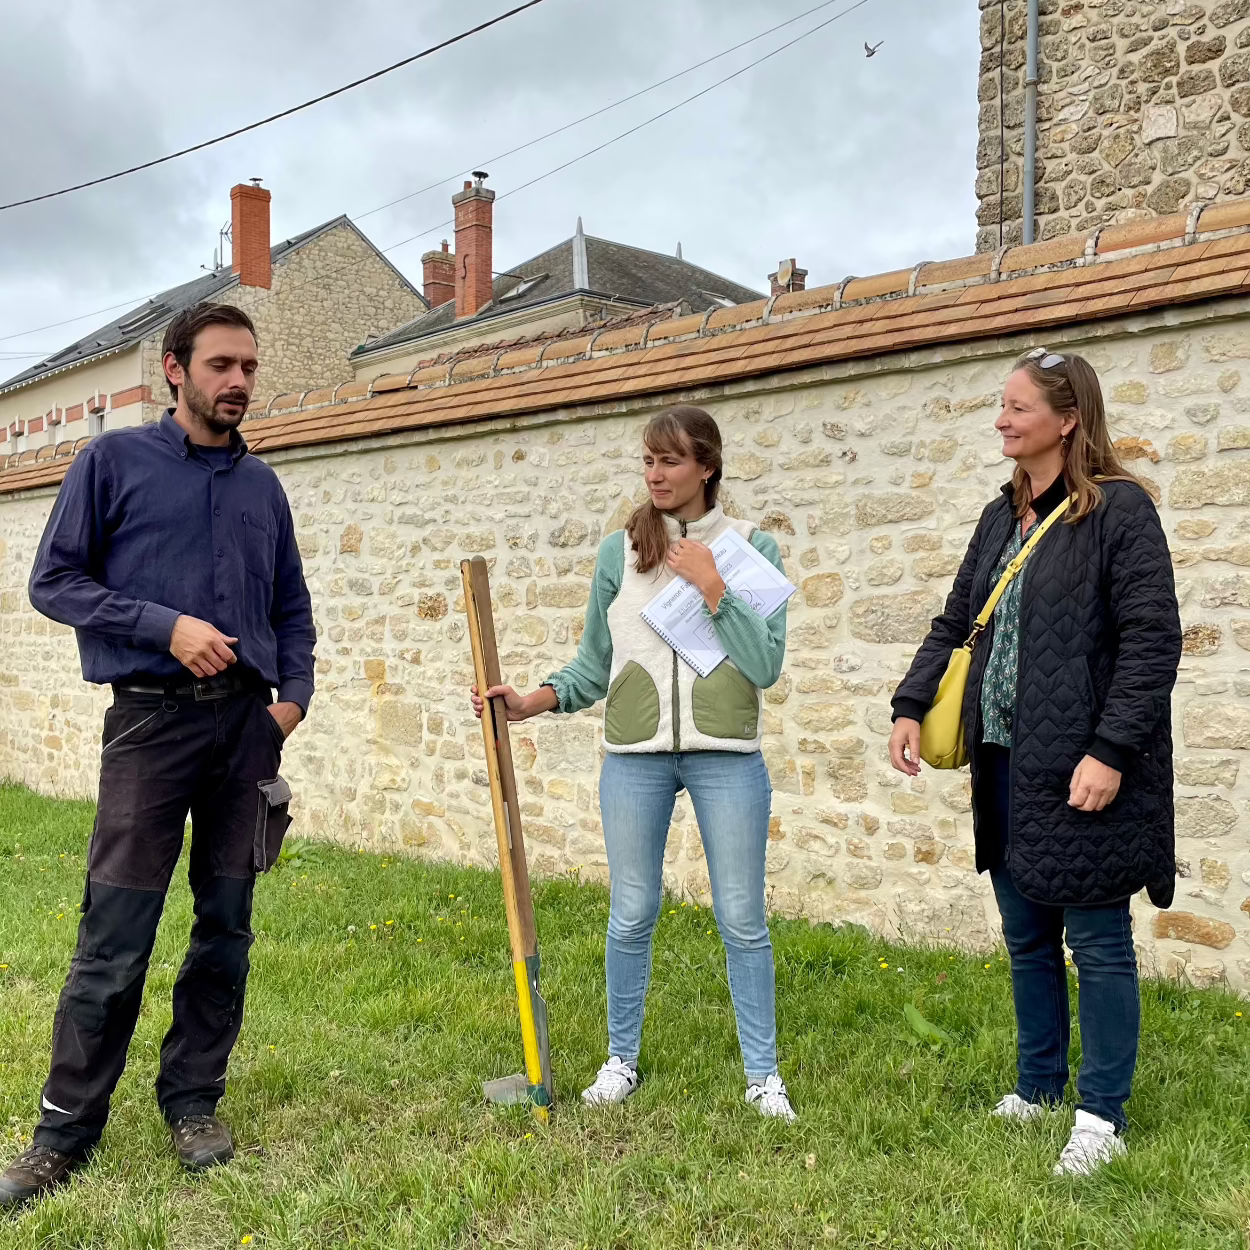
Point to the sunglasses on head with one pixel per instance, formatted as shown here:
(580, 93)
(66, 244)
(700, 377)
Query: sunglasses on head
(1044, 358)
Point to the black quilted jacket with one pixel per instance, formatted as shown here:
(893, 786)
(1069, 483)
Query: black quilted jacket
(1100, 641)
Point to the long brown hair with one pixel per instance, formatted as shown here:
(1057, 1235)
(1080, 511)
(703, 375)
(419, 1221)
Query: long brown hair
(1071, 388)
(681, 431)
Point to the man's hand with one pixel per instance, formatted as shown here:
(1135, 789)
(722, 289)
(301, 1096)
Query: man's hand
(288, 715)
(694, 562)
(1094, 785)
(203, 649)
(905, 746)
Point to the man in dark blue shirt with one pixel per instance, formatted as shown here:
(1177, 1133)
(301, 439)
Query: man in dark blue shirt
(171, 552)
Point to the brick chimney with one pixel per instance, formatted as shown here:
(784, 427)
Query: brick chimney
(438, 277)
(789, 277)
(474, 260)
(249, 234)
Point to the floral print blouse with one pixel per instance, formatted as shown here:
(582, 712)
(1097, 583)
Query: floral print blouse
(998, 687)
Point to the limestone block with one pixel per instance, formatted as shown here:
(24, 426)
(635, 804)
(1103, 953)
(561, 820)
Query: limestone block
(1184, 926)
(1205, 816)
(894, 618)
(1226, 484)
(399, 721)
(1221, 726)
(822, 590)
(873, 510)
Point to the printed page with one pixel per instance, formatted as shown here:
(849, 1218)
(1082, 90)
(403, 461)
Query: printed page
(676, 613)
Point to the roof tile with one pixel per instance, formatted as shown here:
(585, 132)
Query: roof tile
(1051, 252)
(675, 327)
(937, 273)
(682, 353)
(1139, 233)
(1226, 216)
(801, 301)
(738, 315)
(879, 284)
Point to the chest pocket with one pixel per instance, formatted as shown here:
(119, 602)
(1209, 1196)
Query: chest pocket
(259, 545)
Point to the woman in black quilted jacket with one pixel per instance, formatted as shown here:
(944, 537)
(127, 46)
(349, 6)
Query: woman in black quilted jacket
(1068, 710)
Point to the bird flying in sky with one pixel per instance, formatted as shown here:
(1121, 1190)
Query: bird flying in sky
(871, 50)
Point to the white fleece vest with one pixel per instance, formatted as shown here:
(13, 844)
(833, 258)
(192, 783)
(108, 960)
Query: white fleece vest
(684, 697)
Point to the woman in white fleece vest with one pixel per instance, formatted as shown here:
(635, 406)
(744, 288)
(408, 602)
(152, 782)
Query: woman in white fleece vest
(666, 729)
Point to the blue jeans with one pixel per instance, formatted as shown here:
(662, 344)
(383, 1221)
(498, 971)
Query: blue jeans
(1109, 1008)
(732, 795)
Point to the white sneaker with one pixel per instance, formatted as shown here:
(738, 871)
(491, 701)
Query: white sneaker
(772, 1100)
(1093, 1143)
(615, 1082)
(1013, 1107)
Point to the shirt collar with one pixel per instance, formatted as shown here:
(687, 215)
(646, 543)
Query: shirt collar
(180, 440)
(1051, 498)
(695, 529)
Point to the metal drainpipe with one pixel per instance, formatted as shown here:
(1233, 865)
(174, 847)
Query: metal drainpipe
(1030, 121)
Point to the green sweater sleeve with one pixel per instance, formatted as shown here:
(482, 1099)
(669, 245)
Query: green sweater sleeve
(755, 644)
(585, 681)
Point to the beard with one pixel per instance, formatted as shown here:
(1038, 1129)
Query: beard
(204, 409)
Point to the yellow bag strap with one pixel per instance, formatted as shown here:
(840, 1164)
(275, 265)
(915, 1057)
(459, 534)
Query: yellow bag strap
(1013, 569)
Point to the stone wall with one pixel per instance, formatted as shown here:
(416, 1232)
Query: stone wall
(1142, 108)
(327, 297)
(871, 476)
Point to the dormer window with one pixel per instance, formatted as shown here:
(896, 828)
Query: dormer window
(526, 284)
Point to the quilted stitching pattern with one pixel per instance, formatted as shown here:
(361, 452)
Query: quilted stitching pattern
(1099, 646)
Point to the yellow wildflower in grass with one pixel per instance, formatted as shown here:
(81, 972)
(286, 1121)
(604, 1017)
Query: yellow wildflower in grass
(246, 1239)
(390, 922)
(1236, 1013)
(373, 927)
(987, 967)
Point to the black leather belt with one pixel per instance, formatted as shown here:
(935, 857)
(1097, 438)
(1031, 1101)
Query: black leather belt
(201, 690)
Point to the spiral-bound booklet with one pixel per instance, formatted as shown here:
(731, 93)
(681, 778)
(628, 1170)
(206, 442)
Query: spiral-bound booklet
(677, 615)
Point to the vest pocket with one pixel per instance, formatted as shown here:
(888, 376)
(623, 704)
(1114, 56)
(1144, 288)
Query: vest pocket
(725, 704)
(632, 713)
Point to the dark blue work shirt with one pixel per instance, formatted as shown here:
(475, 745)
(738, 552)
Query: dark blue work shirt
(148, 527)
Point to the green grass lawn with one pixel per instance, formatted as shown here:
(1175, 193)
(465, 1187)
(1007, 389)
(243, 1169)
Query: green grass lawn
(381, 996)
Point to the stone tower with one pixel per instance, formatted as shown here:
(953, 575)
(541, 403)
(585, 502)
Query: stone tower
(1141, 108)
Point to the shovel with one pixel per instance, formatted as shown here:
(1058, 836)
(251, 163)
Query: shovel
(533, 1086)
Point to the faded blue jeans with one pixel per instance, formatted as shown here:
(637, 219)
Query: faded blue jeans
(732, 796)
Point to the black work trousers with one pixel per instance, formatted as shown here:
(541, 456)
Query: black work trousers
(163, 758)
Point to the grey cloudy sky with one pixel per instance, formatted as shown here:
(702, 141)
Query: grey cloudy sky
(848, 164)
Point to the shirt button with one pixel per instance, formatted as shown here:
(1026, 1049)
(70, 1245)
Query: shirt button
(216, 512)
(221, 596)
(220, 552)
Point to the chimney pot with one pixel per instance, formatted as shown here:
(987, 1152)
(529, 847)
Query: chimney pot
(474, 259)
(249, 235)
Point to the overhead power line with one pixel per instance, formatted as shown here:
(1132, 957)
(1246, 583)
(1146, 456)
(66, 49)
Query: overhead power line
(607, 143)
(391, 247)
(607, 108)
(264, 121)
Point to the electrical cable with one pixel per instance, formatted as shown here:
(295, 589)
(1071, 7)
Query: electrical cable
(607, 108)
(264, 121)
(390, 247)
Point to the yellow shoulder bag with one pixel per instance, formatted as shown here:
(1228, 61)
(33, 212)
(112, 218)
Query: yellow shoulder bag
(942, 742)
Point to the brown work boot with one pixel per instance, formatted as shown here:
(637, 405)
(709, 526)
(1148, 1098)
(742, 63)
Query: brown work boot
(202, 1141)
(35, 1171)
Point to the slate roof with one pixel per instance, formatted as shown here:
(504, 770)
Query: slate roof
(140, 322)
(614, 271)
(1200, 254)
